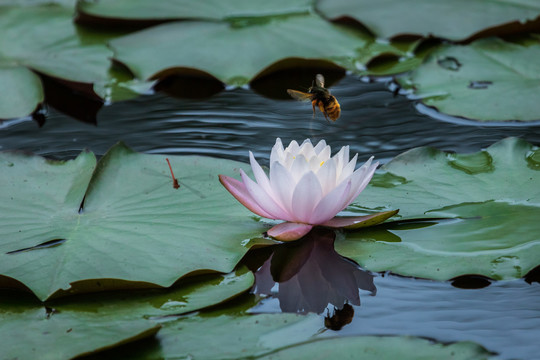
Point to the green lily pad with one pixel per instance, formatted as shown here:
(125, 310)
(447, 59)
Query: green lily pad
(236, 52)
(190, 294)
(24, 95)
(134, 229)
(186, 9)
(44, 39)
(488, 80)
(29, 330)
(282, 336)
(494, 194)
(77, 325)
(382, 347)
(453, 19)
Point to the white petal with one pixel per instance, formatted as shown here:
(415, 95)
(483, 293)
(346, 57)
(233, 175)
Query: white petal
(320, 146)
(260, 176)
(331, 204)
(366, 180)
(327, 176)
(347, 170)
(325, 153)
(307, 149)
(293, 147)
(299, 168)
(282, 184)
(277, 151)
(264, 200)
(306, 196)
(361, 178)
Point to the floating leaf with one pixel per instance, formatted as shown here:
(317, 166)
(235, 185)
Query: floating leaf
(76, 325)
(44, 39)
(134, 228)
(236, 52)
(488, 80)
(381, 347)
(186, 9)
(282, 336)
(454, 20)
(494, 194)
(190, 294)
(24, 95)
(29, 330)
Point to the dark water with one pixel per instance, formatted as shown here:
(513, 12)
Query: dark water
(373, 122)
(504, 317)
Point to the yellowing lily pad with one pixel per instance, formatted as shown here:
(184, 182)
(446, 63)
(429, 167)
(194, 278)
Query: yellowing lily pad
(490, 201)
(488, 80)
(133, 228)
(451, 19)
(236, 52)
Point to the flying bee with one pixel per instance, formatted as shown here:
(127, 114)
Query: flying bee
(321, 97)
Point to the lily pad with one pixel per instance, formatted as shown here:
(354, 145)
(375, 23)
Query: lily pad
(24, 95)
(382, 347)
(488, 80)
(282, 336)
(133, 228)
(189, 294)
(65, 328)
(236, 52)
(44, 39)
(452, 19)
(493, 195)
(186, 9)
(29, 330)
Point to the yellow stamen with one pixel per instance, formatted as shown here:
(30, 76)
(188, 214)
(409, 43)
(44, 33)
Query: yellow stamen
(321, 164)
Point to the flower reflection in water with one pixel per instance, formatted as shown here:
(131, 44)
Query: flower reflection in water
(310, 276)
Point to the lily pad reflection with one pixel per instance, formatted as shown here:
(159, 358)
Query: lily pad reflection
(309, 276)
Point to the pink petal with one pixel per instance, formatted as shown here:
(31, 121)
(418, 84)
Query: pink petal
(239, 191)
(264, 200)
(331, 204)
(260, 176)
(306, 196)
(289, 231)
(347, 170)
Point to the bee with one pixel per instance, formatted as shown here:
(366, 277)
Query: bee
(320, 97)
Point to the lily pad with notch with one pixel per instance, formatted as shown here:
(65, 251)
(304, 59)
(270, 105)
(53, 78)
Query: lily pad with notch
(133, 229)
(480, 210)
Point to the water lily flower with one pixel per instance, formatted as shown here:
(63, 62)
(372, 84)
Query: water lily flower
(306, 187)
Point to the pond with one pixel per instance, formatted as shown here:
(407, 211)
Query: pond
(502, 316)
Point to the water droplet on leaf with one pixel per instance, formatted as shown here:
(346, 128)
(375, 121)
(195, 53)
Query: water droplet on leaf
(472, 163)
(449, 63)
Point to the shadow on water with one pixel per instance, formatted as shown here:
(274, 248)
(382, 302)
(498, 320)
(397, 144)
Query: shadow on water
(309, 276)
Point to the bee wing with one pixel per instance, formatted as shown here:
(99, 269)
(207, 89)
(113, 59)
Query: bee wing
(299, 95)
(319, 80)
